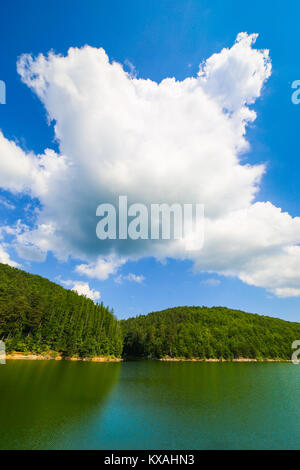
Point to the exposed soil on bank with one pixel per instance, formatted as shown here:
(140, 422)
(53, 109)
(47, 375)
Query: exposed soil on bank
(37, 357)
(58, 357)
(239, 359)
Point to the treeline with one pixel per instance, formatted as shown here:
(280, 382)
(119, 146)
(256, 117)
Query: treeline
(39, 316)
(201, 332)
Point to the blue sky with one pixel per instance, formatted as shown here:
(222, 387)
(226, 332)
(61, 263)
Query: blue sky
(161, 39)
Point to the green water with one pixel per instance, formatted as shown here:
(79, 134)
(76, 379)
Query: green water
(149, 405)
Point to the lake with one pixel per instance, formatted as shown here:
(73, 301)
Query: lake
(149, 405)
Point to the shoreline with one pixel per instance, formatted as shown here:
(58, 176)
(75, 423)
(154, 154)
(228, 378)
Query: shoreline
(49, 357)
(239, 359)
(58, 357)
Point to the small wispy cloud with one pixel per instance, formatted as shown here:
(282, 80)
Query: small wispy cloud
(31, 253)
(7, 204)
(130, 277)
(132, 68)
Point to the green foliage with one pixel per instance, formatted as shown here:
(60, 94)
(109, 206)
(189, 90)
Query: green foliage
(37, 316)
(201, 332)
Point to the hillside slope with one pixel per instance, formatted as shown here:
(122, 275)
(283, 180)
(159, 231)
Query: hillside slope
(37, 315)
(201, 332)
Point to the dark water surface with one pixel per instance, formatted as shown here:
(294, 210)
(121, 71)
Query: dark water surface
(149, 405)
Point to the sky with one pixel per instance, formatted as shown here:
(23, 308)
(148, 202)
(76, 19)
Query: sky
(174, 101)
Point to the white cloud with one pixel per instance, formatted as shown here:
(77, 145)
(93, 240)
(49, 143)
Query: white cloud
(65, 282)
(173, 141)
(30, 253)
(287, 292)
(5, 258)
(82, 288)
(138, 278)
(102, 269)
(7, 204)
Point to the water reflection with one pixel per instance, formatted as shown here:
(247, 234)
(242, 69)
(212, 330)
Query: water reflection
(149, 404)
(209, 406)
(42, 402)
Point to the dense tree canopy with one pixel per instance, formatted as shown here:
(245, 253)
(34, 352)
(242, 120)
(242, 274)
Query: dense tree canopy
(37, 315)
(201, 332)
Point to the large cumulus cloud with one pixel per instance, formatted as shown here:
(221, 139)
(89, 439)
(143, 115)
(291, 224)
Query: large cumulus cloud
(173, 141)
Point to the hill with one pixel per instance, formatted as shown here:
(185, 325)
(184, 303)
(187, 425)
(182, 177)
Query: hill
(37, 315)
(201, 332)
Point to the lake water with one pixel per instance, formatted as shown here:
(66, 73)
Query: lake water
(149, 405)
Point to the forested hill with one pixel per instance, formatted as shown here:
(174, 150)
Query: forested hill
(201, 332)
(37, 315)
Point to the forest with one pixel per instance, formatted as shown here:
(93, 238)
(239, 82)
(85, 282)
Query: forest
(39, 316)
(208, 333)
